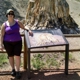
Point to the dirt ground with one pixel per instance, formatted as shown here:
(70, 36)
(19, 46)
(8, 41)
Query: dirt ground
(74, 74)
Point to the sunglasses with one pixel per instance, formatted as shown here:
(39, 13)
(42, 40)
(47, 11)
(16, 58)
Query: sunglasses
(10, 13)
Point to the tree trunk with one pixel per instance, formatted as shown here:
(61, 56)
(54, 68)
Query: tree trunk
(43, 14)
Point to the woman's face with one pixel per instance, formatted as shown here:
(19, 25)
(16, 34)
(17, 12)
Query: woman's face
(10, 15)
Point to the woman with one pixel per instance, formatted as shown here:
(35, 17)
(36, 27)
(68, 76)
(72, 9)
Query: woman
(11, 39)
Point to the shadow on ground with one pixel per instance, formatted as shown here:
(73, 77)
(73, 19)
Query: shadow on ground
(56, 75)
(45, 75)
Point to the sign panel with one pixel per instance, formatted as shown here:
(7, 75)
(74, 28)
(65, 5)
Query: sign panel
(43, 38)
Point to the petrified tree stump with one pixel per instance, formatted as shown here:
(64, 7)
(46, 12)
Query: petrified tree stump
(43, 14)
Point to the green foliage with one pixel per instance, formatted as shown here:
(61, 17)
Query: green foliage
(37, 62)
(21, 61)
(71, 58)
(52, 62)
(3, 59)
(40, 62)
(49, 61)
(78, 0)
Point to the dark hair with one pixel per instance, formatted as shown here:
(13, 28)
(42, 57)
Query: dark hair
(8, 11)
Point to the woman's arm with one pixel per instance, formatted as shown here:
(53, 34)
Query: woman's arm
(25, 28)
(22, 26)
(1, 36)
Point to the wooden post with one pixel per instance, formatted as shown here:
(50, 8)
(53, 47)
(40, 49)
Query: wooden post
(25, 55)
(66, 59)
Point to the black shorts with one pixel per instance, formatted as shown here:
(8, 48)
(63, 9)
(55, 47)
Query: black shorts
(13, 48)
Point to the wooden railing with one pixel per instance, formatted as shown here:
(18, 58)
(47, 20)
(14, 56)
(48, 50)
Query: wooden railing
(25, 54)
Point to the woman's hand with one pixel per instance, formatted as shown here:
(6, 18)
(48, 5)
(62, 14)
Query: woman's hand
(1, 47)
(30, 33)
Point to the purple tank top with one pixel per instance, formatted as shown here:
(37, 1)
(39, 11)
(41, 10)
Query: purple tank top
(12, 33)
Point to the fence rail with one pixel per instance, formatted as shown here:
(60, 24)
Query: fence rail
(25, 55)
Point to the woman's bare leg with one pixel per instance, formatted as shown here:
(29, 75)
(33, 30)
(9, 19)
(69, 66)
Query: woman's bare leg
(11, 61)
(17, 62)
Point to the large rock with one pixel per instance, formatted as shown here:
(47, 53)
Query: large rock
(19, 6)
